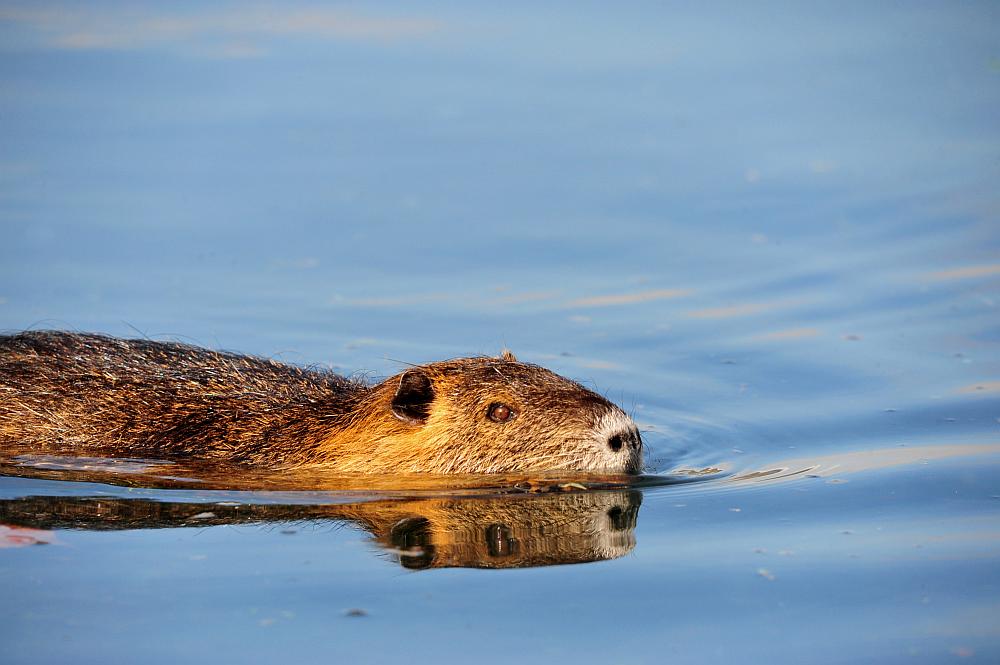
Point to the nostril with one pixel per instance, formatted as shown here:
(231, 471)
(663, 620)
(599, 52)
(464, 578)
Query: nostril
(616, 442)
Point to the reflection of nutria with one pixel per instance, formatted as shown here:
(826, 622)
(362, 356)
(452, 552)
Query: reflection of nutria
(506, 532)
(481, 532)
(92, 393)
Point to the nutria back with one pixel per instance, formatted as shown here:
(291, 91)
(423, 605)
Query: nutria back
(102, 395)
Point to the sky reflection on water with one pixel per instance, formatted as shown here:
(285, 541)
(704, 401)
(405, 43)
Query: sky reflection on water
(770, 231)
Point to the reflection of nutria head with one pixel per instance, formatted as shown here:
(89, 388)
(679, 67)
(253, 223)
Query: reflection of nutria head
(511, 531)
(139, 398)
(506, 532)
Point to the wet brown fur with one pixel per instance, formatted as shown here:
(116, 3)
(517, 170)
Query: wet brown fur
(97, 394)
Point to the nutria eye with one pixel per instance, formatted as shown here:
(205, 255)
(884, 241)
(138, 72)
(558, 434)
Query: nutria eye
(500, 413)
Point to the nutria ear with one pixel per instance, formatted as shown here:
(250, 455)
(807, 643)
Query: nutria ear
(508, 355)
(412, 402)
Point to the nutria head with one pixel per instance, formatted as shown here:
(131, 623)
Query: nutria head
(491, 415)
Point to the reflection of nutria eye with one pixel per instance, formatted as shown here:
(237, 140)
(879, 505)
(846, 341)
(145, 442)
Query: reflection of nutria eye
(500, 541)
(500, 413)
(412, 538)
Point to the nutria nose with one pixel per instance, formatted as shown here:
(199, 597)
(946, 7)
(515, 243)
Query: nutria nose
(627, 439)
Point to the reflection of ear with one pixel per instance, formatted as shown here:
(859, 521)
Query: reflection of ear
(508, 355)
(411, 537)
(412, 402)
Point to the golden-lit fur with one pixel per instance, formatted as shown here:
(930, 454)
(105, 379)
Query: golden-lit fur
(139, 398)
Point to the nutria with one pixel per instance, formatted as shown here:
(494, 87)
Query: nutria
(479, 531)
(139, 398)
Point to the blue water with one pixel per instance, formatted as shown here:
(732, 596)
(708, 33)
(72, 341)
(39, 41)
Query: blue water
(770, 231)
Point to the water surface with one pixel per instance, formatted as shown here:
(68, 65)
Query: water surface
(769, 232)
